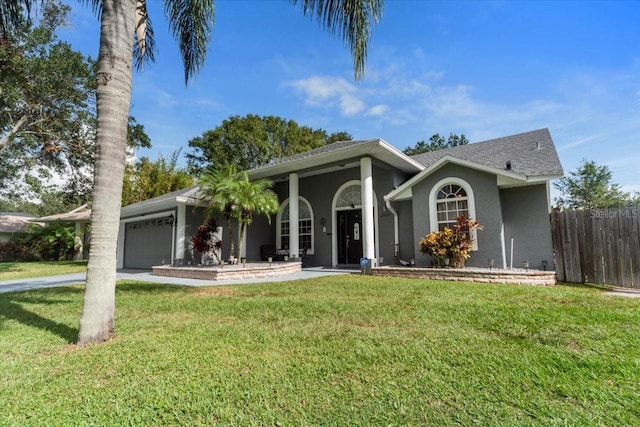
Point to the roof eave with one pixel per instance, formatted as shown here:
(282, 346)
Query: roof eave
(188, 196)
(137, 209)
(542, 178)
(401, 192)
(377, 148)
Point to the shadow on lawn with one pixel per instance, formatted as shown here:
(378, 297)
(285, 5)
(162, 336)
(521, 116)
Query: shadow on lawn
(11, 308)
(12, 304)
(9, 267)
(140, 287)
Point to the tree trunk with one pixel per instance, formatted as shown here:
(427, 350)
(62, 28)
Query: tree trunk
(243, 230)
(227, 217)
(112, 101)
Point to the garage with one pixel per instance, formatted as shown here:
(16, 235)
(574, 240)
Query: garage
(148, 242)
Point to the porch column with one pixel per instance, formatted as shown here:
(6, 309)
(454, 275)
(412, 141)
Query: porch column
(120, 248)
(78, 241)
(366, 182)
(180, 224)
(294, 248)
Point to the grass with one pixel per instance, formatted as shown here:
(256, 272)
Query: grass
(342, 350)
(28, 270)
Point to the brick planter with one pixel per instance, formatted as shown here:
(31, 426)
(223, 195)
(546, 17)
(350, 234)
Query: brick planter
(252, 270)
(479, 275)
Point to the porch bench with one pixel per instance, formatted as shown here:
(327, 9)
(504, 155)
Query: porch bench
(267, 251)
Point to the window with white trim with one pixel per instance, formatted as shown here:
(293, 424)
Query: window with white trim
(305, 226)
(350, 196)
(451, 202)
(450, 198)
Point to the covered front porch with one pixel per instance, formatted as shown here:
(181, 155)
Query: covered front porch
(332, 211)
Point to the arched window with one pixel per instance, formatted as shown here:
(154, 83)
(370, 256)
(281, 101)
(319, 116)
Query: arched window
(450, 198)
(350, 197)
(451, 202)
(305, 225)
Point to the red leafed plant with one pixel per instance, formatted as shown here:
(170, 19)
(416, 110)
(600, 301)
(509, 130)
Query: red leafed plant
(453, 243)
(205, 240)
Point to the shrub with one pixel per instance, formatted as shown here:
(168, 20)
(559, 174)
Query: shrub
(12, 251)
(206, 241)
(54, 242)
(451, 243)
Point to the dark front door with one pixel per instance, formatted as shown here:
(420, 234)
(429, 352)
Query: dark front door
(350, 235)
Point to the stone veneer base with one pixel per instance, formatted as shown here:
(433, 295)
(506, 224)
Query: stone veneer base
(479, 275)
(254, 270)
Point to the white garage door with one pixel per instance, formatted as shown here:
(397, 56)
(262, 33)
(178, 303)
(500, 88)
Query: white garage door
(148, 243)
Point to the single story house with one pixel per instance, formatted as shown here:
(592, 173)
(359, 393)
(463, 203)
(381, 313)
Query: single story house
(366, 199)
(81, 218)
(12, 222)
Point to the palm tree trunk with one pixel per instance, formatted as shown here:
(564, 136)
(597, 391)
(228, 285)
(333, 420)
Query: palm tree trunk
(243, 229)
(113, 101)
(227, 217)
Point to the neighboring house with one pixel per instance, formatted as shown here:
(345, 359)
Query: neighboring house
(355, 199)
(12, 222)
(81, 218)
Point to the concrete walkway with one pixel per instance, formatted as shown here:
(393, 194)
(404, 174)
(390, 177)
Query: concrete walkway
(623, 292)
(146, 276)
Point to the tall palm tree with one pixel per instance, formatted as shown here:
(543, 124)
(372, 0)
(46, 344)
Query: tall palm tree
(252, 198)
(218, 187)
(190, 22)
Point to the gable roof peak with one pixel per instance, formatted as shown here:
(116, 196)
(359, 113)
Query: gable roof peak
(530, 153)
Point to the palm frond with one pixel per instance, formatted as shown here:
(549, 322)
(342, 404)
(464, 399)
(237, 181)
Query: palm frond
(13, 13)
(349, 19)
(144, 47)
(191, 22)
(96, 6)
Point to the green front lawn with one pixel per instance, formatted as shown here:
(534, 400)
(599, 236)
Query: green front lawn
(28, 270)
(344, 350)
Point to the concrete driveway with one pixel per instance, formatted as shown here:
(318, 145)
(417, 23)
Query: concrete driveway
(146, 276)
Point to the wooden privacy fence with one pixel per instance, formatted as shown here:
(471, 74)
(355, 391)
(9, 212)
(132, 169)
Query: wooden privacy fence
(598, 246)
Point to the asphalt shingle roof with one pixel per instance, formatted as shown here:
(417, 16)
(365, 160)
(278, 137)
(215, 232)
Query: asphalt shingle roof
(530, 153)
(189, 192)
(339, 145)
(10, 222)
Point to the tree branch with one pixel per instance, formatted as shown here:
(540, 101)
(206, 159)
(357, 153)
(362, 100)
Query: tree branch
(4, 143)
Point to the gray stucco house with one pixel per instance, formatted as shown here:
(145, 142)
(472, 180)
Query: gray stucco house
(355, 199)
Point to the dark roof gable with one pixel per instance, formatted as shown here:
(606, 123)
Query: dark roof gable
(530, 153)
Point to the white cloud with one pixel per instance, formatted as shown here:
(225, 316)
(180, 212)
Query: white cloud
(350, 105)
(592, 114)
(578, 142)
(330, 91)
(631, 188)
(626, 160)
(378, 110)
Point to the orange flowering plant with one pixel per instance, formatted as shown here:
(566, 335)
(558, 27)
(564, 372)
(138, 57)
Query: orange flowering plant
(451, 243)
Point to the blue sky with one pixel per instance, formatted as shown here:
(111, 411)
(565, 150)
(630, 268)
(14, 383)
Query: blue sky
(486, 69)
